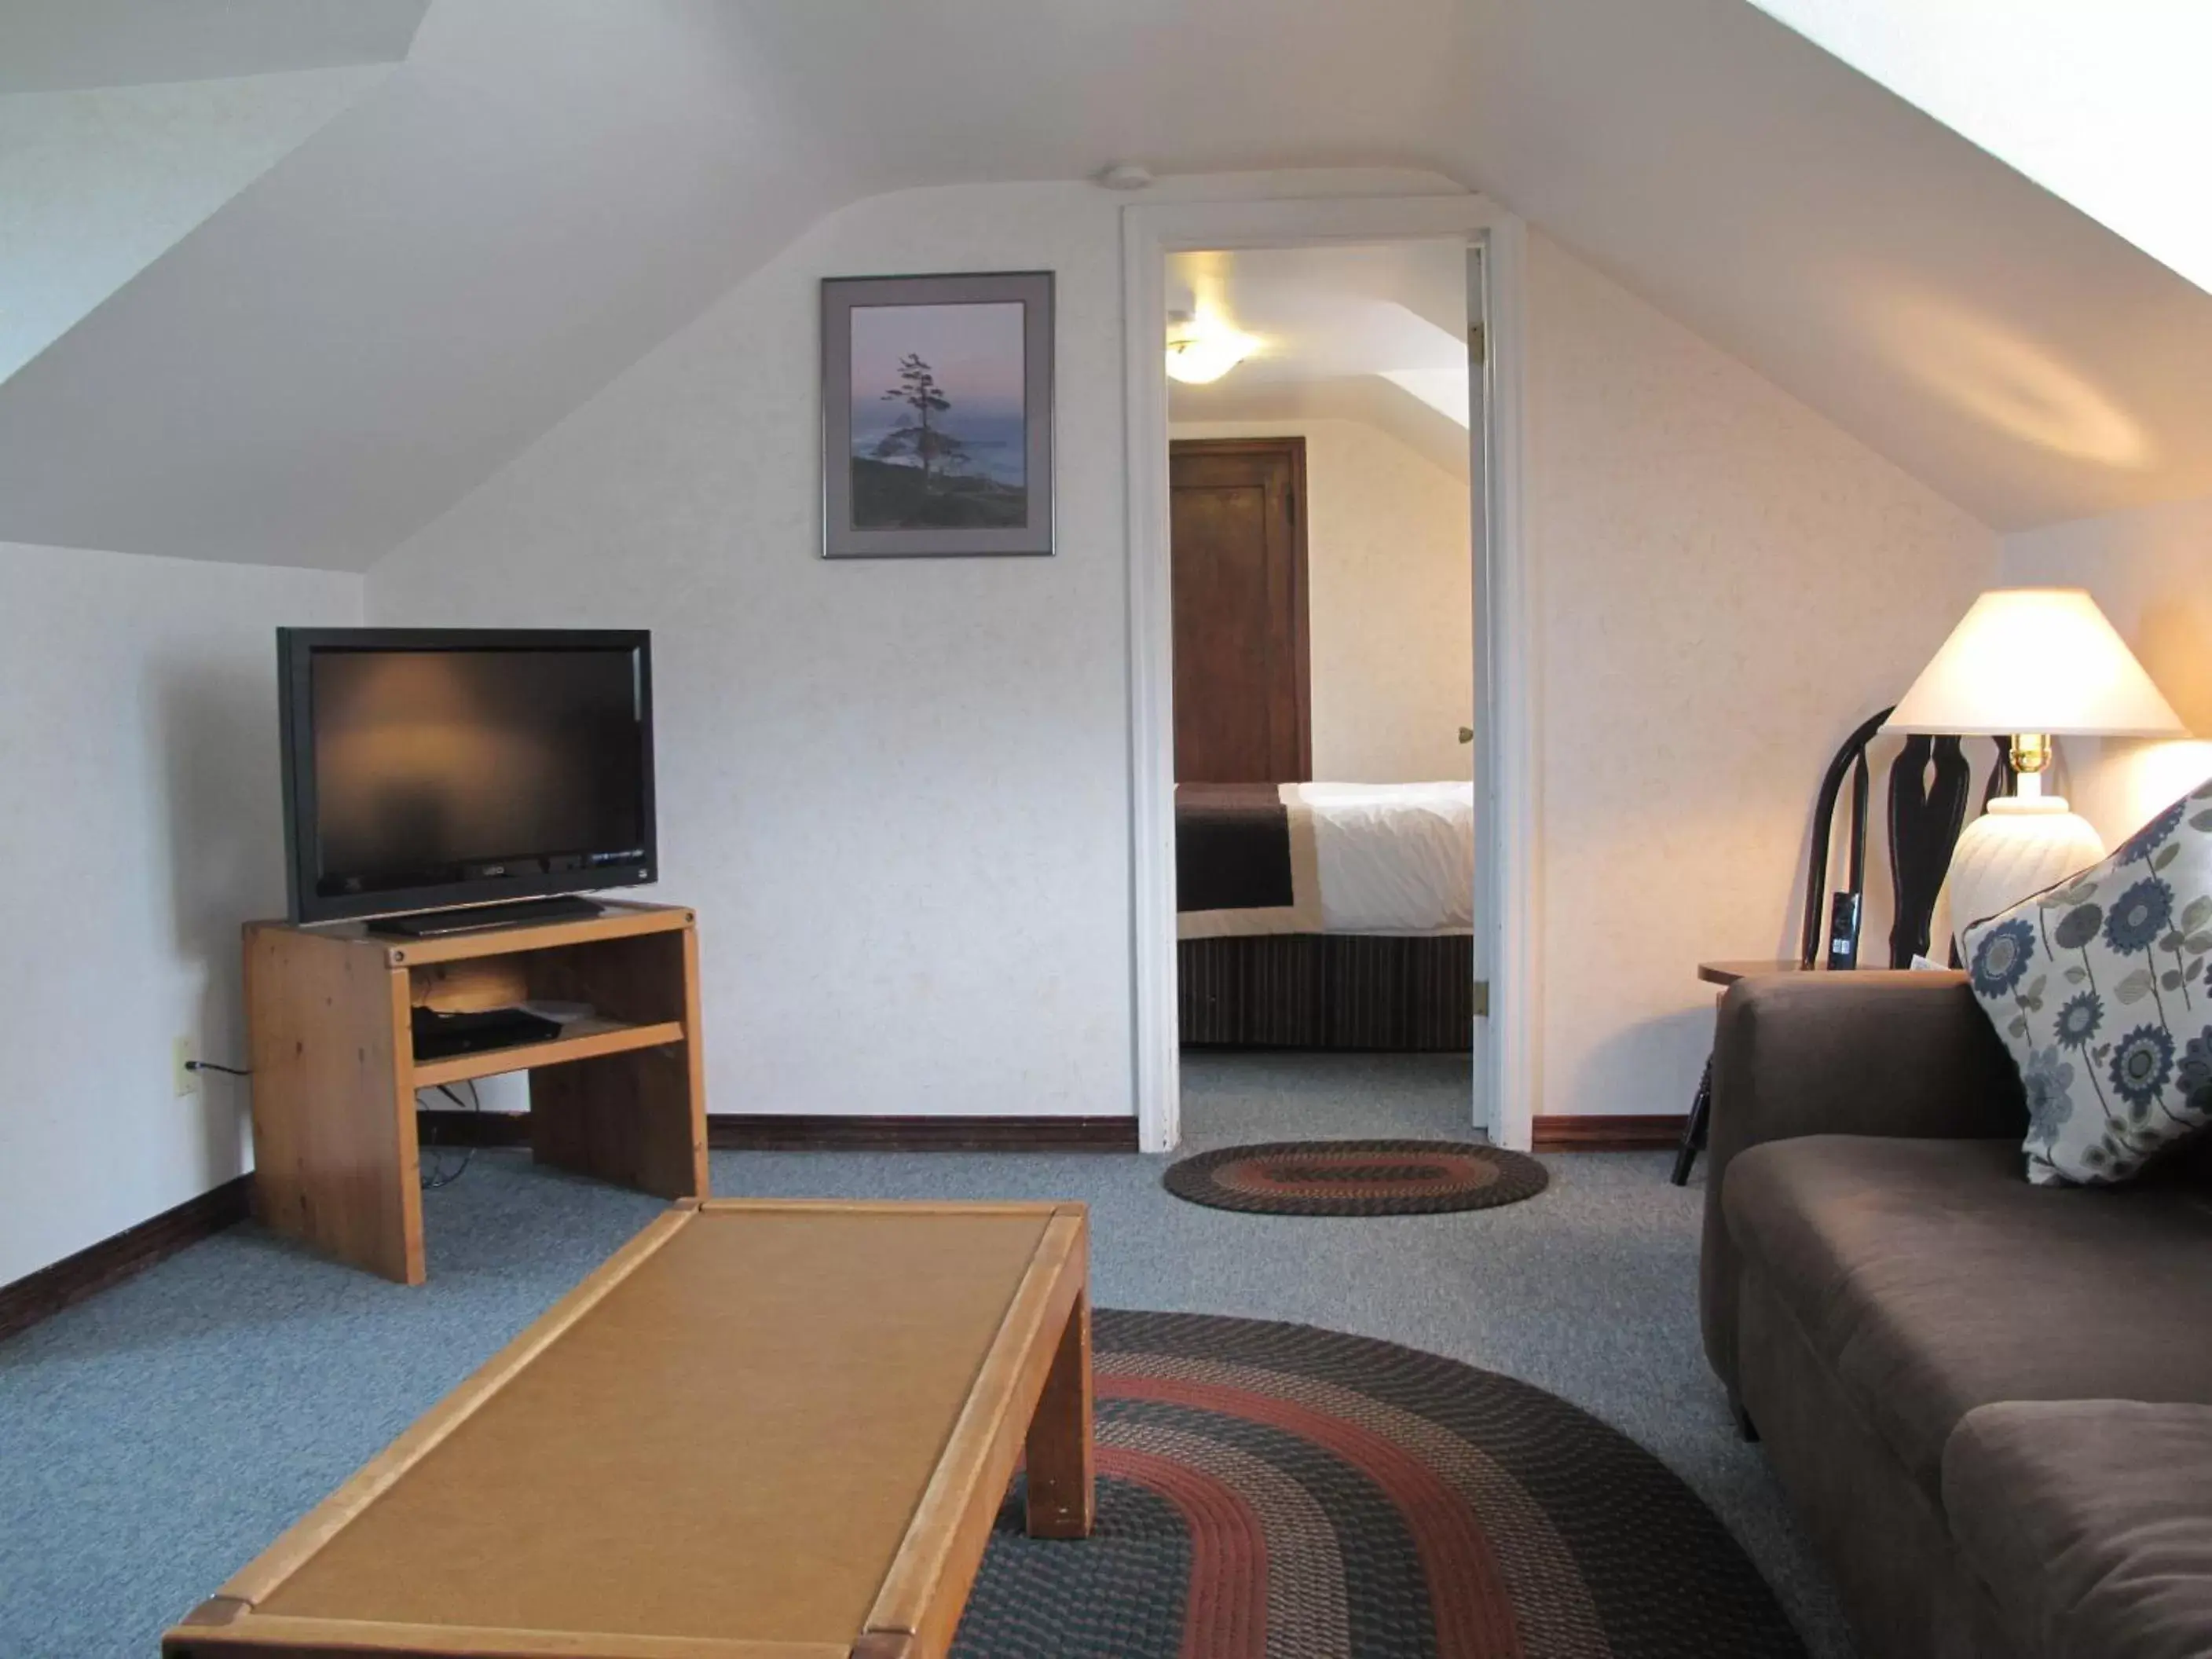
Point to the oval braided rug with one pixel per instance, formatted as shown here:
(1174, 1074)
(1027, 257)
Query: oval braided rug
(1356, 1177)
(1279, 1491)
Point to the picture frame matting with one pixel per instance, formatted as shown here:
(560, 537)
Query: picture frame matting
(937, 416)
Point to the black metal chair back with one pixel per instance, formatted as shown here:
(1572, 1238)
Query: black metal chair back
(1928, 785)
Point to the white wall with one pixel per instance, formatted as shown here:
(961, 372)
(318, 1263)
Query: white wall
(898, 793)
(1390, 602)
(140, 826)
(2151, 570)
(1729, 585)
(896, 790)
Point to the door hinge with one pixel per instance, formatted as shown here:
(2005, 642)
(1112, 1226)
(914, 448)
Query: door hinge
(1482, 998)
(1476, 346)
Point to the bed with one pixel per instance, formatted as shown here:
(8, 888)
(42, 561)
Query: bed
(1325, 915)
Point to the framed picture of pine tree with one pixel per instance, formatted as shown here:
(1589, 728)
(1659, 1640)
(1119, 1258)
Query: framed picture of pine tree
(937, 415)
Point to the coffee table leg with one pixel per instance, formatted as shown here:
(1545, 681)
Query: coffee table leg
(1059, 1463)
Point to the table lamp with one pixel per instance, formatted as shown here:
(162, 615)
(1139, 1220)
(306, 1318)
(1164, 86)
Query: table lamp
(2029, 664)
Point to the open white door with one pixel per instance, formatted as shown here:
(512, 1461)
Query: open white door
(1508, 865)
(1506, 954)
(1479, 689)
(1478, 517)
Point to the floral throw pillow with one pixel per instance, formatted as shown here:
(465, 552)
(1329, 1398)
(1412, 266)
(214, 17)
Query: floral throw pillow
(2102, 989)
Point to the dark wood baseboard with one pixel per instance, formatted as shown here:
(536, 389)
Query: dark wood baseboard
(730, 1132)
(40, 1295)
(1659, 1132)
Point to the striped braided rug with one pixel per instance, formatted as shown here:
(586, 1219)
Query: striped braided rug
(1356, 1177)
(1279, 1491)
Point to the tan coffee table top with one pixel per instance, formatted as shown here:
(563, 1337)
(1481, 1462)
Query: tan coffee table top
(760, 1428)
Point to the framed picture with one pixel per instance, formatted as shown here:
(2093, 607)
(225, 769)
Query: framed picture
(937, 416)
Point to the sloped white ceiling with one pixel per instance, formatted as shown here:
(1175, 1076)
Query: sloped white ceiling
(1371, 333)
(96, 185)
(2018, 357)
(57, 45)
(547, 188)
(1320, 313)
(2102, 104)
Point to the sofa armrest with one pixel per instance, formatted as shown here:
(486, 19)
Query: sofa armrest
(1866, 1053)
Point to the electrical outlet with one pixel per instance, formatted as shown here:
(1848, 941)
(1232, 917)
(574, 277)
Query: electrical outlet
(182, 1077)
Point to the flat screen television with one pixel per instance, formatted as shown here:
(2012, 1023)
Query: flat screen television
(426, 768)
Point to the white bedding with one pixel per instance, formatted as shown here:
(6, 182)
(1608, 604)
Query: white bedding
(1365, 858)
(1394, 858)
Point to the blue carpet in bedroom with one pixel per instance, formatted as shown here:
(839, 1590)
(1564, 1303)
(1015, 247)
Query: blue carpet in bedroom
(155, 1439)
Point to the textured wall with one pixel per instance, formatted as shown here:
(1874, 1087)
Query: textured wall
(140, 826)
(1391, 604)
(1729, 585)
(897, 791)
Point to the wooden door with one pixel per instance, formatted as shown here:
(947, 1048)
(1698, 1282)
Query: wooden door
(1243, 712)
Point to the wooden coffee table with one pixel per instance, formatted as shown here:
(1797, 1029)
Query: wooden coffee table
(760, 1430)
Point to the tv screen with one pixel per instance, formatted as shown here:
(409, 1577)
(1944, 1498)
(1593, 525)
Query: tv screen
(430, 767)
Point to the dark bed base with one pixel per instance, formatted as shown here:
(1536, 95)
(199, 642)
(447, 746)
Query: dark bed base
(1328, 991)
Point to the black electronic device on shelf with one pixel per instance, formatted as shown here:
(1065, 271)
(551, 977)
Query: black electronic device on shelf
(440, 1036)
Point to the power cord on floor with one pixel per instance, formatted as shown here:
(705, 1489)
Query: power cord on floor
(439, 1175)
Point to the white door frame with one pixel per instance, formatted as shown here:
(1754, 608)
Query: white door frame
(1507, 947)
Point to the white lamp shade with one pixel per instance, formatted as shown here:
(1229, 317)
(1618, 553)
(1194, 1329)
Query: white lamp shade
(2035, 660)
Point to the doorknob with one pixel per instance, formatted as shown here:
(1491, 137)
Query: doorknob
(1466, 734)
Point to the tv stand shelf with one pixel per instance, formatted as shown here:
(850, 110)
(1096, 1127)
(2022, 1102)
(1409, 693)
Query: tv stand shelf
(587, 1039)
(620, 1096)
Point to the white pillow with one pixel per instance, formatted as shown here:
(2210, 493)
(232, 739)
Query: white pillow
(2102, 989)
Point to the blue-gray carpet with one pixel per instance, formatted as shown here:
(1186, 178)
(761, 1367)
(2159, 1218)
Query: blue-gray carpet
(155, 1439)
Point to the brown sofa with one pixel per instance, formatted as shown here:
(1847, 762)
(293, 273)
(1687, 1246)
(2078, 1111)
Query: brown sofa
(1990, 1403)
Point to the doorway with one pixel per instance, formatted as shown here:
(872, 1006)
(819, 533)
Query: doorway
(1503, 941)
(1319, 472)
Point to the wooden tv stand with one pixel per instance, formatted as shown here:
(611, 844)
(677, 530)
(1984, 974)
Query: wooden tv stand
(620, 1096)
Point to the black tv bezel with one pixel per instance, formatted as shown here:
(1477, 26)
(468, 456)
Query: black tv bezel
(296, 651)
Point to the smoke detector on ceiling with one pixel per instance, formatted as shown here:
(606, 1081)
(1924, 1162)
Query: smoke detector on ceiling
(1126, 175)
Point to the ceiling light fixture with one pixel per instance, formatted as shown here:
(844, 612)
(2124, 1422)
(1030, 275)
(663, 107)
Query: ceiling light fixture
(1201, 350)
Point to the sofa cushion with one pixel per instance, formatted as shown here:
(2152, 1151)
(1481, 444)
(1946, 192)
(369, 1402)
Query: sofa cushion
(2098, 988)
(1932, 1279)
(2090, 1523)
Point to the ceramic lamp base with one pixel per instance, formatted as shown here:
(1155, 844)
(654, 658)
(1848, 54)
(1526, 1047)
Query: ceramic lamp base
(2018, 848)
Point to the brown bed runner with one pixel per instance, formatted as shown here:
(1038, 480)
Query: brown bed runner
(1244, 860)
(754, 1430)
(1232, 847)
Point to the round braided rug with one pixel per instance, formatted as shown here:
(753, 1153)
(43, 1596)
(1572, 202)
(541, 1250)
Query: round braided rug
(1356, 1177)
(1278, 1492)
